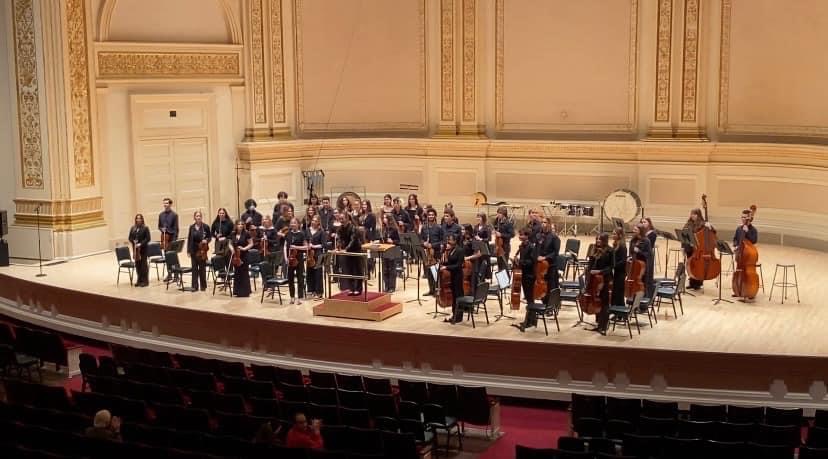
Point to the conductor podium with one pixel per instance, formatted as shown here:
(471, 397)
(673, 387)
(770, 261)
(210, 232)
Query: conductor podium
(373, 306)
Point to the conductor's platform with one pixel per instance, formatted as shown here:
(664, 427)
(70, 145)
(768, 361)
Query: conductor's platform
(378, 306)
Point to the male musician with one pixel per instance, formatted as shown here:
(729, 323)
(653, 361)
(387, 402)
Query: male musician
(345, 235)
(454, 264)
(641, 250)
(432, 236)
(251, 215)
(450, 225)
(745, 231)
(534, 224)
(549, 246)
(505, 230)
(296, 241)
(198, 232)
(282, 202)
(326, 214)
(168, 224)
(404, 222)
(525, 259)
(139, 236)
(695, 223)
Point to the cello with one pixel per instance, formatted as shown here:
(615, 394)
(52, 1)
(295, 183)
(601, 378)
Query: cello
(703, 264)
(634, 282)
(745, 278)
(590, 299)
(446, 297)
(517, 280)
(541, 269)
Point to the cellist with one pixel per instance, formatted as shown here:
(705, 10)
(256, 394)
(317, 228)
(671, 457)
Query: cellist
(694, 224)
(525, 259)
(641, 250)
(600, 263)
(505, 230)
(549, 246)
(454, 258)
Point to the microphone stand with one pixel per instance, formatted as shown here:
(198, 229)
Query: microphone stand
(39, 250)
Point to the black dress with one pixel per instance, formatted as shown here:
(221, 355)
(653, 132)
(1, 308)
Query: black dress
(141, 235)
(241, 275)
(619, 274)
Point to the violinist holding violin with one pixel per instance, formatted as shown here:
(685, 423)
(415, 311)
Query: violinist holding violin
(197, 234)
(240, 243)
(296, 244)
(432, 236)
(504, 231)
(317, 240)
(641, 250)
(273, 241)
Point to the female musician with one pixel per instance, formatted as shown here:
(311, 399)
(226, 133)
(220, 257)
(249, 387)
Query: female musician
(356, 208)
(483, 232)
(241, 242)
(139, 236)
(505, 230)
(600, 263)
(454, 264)
(472, 255)
(649, 275)
(450, 225)
(222, 225)
(251, 215)
(313, 201)
(275, 242)
(355, 243)
(415, 212)
(296, 243)
(310, 212)
(619, 266)
(198, 232)
(549, 246)
(344, 204)
(317, 240)
(368, 220)
(640, 249)
(432, 236)
(404, 222)
(525, 258)
(694, 223)
(387, 206)
(390, 235)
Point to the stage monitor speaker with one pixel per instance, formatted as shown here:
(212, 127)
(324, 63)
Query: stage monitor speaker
(4, 253)
(4, 223)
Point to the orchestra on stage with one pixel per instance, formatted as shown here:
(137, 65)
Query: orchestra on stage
(350, 242)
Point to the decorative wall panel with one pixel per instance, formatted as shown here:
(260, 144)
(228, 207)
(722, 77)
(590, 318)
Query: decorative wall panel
(664, 48)
(79, 87)
(277, 65)
(690, 70)
(257, 57)
(469, 62)
(131, 61)
(447, 60)
(28, 95)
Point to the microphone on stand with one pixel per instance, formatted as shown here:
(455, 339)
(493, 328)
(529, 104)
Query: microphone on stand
(39, 250)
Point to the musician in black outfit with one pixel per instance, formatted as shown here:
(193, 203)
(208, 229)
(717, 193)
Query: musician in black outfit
(549, 246)
(525, 259)
(251, 215)
(450, 225)
(454, 264)
(198, 232)
(139, 236)
(619, 266)
(534, 224)
(345, 236)
(695, 223)
(317, 241)
(600, 263)
(650, 232)
(241, 241)
(745, 231)
(356, 265)
(221, 229)
(296, 241)
(404, 222)
(504, 229)
(282, 204)
(326, 215)
(168, 224)
(432, 236)
(473, 255)
(275, 243)
(641, 250)
(390, 235)
(415, 212)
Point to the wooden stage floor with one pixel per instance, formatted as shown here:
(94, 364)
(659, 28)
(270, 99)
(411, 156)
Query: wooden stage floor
(762, 327)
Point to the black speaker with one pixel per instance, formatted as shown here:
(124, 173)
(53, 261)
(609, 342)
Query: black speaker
(4, 253)
(4, 223)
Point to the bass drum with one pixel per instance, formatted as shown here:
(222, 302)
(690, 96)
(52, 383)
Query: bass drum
(351, 198)
(622, 204)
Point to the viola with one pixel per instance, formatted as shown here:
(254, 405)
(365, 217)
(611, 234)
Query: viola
(293, 258)
(703, 264)
(541, 287)
(499, 249)
(745, 278)
(311, 261)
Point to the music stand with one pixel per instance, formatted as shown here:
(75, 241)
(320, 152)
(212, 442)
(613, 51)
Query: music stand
(667, 236)
(724, 249)
(415, 248)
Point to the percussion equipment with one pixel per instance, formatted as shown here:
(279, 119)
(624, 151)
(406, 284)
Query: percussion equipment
(351, 198)
(622, 204)
(588, 211)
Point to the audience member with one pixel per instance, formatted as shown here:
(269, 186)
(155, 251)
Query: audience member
(266, 436)
(105, 426)
(301, 435)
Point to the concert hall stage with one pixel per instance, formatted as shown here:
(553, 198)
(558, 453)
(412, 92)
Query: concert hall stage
(731, 352)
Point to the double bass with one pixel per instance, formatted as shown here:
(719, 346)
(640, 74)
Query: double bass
(703, 264)
(745, 278)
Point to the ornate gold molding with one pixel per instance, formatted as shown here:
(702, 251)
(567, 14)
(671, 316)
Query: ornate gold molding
(724, 64)
(116, 65)
(277, 64)
(79, 86)
(28, 95)
(61, 215)
(632, 87)
(469, 45)
(257, 58)
(664, 45)
(447, 60)
(689, 83)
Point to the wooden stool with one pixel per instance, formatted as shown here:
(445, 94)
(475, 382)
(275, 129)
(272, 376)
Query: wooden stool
(785, 283)
(761, 277)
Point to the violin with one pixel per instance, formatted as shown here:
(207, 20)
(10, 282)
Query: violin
(703, 264)
(446, 297)
(745, 278)
(311, 261)
(236, 260)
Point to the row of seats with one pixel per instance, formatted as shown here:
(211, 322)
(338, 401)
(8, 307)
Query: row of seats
(44, 346)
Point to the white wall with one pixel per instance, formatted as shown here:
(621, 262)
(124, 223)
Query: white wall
(7, 151)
